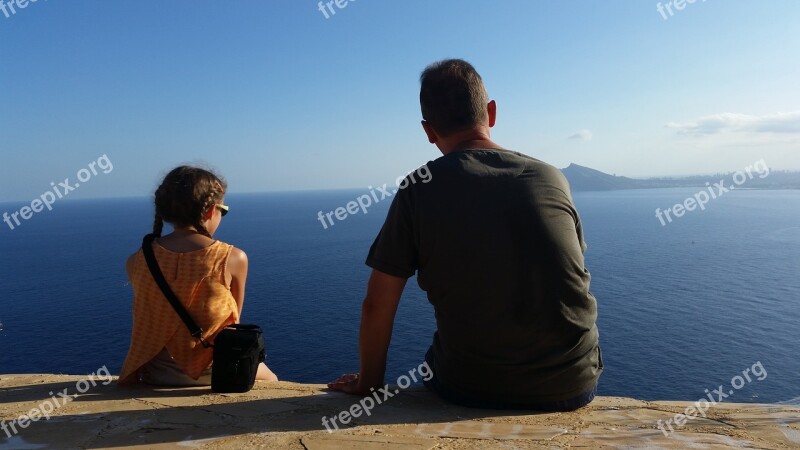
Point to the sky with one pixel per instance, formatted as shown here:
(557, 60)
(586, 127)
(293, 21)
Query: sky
(278, 95)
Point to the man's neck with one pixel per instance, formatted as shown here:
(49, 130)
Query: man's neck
(468, 139)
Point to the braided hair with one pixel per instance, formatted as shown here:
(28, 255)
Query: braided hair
(184, 196)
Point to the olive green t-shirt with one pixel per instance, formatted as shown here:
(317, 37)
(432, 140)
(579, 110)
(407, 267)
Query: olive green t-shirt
(498, 246)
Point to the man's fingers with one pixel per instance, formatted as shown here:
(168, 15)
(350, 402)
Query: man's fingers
(346, 378)
(345, 383)
(348, 388)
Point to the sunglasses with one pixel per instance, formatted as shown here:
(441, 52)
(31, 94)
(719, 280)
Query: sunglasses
(223, 209)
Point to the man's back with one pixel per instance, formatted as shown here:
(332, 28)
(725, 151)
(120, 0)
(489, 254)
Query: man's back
(497, 244)
(498, 248)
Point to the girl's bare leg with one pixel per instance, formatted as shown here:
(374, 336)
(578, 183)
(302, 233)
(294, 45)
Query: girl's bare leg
(264, 374)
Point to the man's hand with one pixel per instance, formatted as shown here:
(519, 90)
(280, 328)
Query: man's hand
(349, 384)
(377, 319)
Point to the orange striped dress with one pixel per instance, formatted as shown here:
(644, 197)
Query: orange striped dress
(198, 280)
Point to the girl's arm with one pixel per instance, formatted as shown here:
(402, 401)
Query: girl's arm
(129, 265)
(237, 267)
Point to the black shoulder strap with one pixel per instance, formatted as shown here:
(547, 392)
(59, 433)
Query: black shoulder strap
(150, 257)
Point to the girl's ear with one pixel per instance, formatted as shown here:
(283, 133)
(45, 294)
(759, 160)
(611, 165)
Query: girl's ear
(209, 214)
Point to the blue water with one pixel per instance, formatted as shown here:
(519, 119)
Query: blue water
(683, 307)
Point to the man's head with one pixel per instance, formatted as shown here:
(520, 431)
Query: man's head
(453, 97)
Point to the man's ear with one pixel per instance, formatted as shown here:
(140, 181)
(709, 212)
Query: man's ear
(432, 136)
(210, 213)
(491, 109)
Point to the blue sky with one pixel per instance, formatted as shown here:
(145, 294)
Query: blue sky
(276, 96)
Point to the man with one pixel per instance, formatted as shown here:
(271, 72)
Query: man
(497, 245)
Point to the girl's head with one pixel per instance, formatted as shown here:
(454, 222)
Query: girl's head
(186, 197)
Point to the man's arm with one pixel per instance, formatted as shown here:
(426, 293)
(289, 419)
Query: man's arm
(377, 320)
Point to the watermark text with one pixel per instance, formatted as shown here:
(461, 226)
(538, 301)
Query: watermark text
(10, 8)
(715, 396)
(679, 5)
(383, 394)
(363, 202)
(46, 408)
(57, 192)
(712, 192)
(327, 7)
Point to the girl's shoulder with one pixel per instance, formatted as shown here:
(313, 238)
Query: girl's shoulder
(237, 254)
(237, 264)
(228, 248)
(130, 263)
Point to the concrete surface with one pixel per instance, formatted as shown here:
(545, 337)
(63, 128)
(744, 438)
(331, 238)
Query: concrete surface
(289, 416)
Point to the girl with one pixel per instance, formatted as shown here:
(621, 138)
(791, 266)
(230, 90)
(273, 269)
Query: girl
(207, 276)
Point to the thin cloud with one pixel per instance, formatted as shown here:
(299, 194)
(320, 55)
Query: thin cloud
(583, 135)
(732, 123)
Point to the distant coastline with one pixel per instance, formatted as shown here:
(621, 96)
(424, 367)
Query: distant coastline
(580, 178)
(587, 179)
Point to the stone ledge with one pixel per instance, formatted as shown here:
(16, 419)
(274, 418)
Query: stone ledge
(289, 415)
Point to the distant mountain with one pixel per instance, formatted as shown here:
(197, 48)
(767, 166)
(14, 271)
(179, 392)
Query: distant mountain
(586, 179)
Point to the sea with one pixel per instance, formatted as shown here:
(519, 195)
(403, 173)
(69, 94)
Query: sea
(709, 301)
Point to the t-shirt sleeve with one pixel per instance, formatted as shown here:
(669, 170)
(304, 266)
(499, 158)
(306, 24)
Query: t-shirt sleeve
(563, 227)
(566, 206)
(394, 251)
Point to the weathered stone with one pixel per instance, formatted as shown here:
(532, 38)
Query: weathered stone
(334, 442)
(290, 416)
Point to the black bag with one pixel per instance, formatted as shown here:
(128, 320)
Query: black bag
(238, 349)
